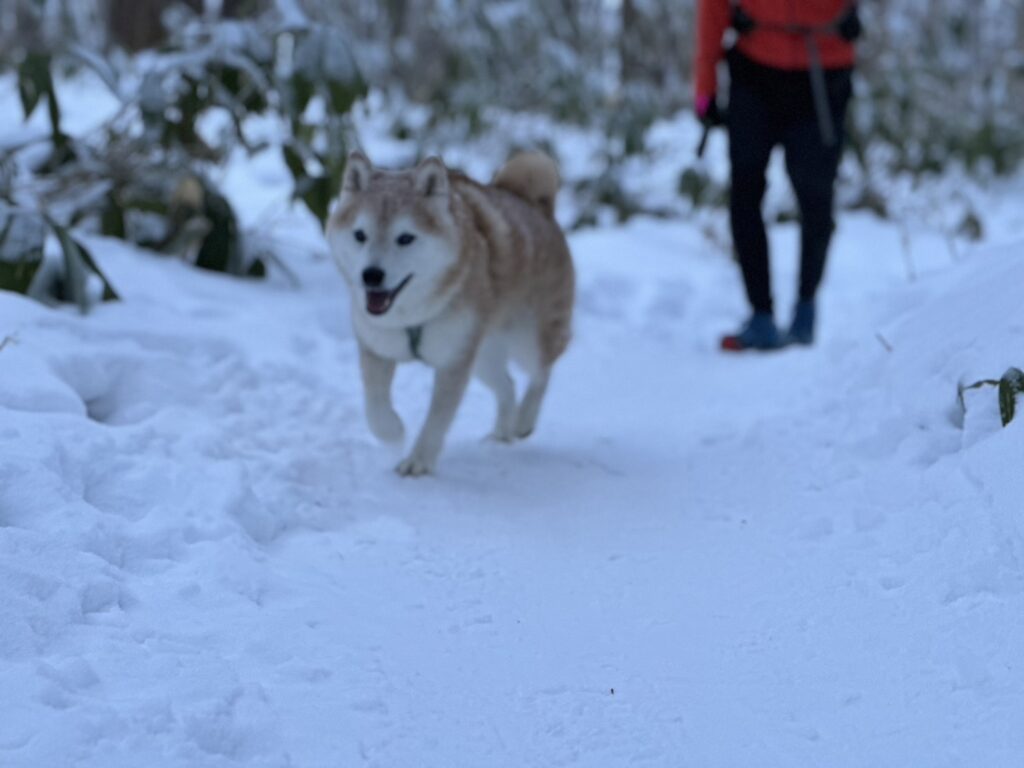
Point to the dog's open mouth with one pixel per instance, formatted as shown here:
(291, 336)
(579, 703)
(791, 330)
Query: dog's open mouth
(379, 301)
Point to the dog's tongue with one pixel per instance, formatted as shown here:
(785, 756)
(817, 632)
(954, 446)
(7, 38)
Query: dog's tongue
(378, 302)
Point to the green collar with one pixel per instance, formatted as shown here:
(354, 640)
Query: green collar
(415, 335)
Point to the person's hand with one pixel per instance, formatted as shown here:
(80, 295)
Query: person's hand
(706, 106)
(703, 104)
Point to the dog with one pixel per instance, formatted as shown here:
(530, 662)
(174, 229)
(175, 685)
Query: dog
(459, 275)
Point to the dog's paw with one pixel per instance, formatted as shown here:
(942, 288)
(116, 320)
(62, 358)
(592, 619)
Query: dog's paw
(503, 436)
(526, 423)
(386, 426)
(525, 426)
(415, 466)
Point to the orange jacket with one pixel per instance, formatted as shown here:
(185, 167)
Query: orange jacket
(771, 47)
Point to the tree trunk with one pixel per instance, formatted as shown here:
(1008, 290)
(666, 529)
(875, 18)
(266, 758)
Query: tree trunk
(237, 9)
(630, 64)
(138, 24)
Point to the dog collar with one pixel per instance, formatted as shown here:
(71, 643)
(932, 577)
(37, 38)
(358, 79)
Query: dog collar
(415, 335)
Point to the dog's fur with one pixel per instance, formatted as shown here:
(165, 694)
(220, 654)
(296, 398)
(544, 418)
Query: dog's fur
(473, 275)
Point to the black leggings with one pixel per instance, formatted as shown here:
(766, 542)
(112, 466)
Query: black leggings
(769, 107)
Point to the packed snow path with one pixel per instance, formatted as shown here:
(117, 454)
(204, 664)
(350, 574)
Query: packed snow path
(801, 559)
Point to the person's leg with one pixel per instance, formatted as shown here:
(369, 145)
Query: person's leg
(813, 166)
(752, 135)
(751, 138)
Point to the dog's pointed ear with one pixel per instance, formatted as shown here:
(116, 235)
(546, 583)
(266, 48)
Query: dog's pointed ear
(357, 173)
(432, 178)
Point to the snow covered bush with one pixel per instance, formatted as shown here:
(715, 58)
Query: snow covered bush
(51, 24)
(73, 276)
(22, 235)
(942, 83)
(147, 174)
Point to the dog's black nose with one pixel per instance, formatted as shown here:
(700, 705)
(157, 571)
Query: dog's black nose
(373, 277)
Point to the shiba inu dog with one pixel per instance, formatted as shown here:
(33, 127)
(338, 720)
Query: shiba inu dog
(461, 276)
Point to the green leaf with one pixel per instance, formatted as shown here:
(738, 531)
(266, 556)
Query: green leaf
(293, 159)
(257, 269)
(315, 192)
(222, 241)
(1011, 385)
(18, 276)
(240, 86)
(302, 91)
(98, 64)
(22, 235)
(109, 294)
(112, 219)
(75, 274)
(344, 94)
(78, 262)
(34, 81)
(335, 175)
(694, 184)
(232, 79)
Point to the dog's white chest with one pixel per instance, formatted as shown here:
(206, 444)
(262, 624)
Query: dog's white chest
(440, 343)
(391, 344)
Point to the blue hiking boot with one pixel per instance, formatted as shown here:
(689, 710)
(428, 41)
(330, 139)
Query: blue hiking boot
(802, 329)
(759, 333)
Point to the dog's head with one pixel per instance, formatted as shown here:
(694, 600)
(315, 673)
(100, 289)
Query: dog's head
(395, 239)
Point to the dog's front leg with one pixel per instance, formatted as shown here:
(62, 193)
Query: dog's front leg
(449, 387)
(378, 374)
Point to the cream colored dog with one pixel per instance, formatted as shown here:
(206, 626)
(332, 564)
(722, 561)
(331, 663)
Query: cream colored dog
(461, 276)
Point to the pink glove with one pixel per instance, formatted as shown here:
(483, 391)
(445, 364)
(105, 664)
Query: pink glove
(703, 104)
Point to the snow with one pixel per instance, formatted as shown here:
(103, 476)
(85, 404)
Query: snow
(806, 558)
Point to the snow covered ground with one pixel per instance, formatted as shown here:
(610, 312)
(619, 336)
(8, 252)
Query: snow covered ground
(811, 558)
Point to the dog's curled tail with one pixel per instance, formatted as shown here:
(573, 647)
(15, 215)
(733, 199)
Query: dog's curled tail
(532, 176)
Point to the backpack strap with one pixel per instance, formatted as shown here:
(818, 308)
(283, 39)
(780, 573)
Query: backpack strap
(846, 25)
(742, 21)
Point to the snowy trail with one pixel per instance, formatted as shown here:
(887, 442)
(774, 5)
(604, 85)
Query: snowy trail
(698, 560)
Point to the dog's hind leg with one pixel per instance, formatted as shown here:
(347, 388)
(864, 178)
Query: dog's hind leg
(529, 409)
(491, 367)
(528, 351)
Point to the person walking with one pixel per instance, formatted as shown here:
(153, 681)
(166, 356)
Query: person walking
(789, 85)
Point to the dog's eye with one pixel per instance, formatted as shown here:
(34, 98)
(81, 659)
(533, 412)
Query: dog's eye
(406, 239)
(360, 236)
